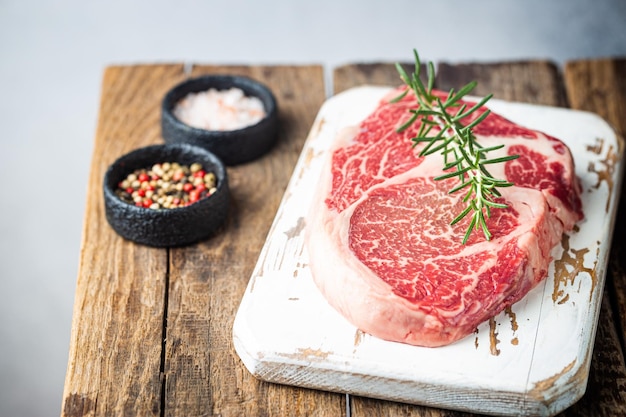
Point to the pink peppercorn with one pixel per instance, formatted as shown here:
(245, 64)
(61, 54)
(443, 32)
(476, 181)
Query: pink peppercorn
(178, 175)
(166, 186)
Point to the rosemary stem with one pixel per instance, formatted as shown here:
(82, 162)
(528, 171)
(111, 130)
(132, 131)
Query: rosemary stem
(453, 138)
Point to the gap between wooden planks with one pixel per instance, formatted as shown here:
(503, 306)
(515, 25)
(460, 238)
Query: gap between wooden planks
(119, 362)
(151, 330)
(598, 86)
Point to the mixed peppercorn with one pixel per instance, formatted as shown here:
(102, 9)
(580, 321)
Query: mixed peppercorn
(167, 185)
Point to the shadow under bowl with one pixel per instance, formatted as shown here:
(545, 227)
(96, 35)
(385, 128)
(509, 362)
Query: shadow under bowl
(167, 226)
(233, 147)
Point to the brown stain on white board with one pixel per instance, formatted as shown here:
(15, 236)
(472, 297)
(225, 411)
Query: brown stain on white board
(296, 230)
(514, 326)
(359, 335)
(476, 338)
(548, 383)
(544, 391)
(309, 155)
(493, 337)
(317, 128)
(291, 233)
(308, 354)
(493, 334)
(606, 169)
(570, 267)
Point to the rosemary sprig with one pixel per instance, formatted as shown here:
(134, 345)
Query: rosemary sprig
(442, 132)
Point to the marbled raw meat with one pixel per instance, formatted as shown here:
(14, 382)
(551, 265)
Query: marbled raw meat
(379, 239)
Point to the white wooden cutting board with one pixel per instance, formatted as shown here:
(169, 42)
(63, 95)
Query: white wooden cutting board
(532, 359)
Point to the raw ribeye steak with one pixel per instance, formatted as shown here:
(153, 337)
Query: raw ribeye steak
(381, 247)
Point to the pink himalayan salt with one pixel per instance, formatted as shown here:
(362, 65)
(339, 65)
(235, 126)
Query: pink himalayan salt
(219, 109)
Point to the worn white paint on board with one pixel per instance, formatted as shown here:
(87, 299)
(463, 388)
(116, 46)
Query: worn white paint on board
(532, 359)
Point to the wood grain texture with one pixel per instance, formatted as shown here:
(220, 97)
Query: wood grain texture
(129, 297)
(352, 75)
(536, 83)
(115, 347)
(599, 86)
(207, 281)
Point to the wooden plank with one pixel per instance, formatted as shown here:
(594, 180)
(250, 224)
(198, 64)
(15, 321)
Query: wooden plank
(115, 359)
(599, 86)
(536, 82)
(351, 75)
(120, 363)
(203, 374)
(526, 87)
(542, 84)
(533, 82)
(285, 332)
(115, 346)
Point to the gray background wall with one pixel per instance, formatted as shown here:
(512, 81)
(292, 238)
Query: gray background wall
(52, 56)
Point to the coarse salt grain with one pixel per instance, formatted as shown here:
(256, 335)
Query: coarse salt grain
(219, 109)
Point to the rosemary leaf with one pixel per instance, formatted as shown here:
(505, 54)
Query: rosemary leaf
(443, 145)
(476, 121)
(460, 187)
(461, 216)
(409, 122)
(461, 93)
(400, 96)
(431, 76)
(462, 113)
(491, 148)
(499, 160)
(432, 140)
(403, 75)
(494, 204)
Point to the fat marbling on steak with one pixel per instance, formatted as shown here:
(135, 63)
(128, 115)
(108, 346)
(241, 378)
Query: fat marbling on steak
(380, 244)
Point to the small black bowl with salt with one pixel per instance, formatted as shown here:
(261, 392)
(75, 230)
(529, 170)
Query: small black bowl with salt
(234, 117)
(166, 195)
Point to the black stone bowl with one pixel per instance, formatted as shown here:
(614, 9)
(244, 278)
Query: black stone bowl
(233, 147)
(166, 227)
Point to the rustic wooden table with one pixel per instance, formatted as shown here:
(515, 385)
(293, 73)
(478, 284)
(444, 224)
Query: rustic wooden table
(152, 328)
